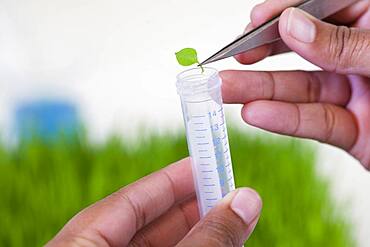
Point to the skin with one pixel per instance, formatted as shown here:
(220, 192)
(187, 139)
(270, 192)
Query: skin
(159, 210)
(331, 106)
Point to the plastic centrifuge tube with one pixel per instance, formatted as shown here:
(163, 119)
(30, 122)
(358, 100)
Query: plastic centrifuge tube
(206, 132)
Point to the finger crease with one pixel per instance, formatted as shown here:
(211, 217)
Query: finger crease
(314, 88)
(341, 34)
(103, 237)
(298, 124)
(356, 45)
(272, 79)
(330, 122)
(140, 216)
(187, 223)
(172, 185)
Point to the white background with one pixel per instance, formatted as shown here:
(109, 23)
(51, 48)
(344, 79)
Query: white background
(115, 61)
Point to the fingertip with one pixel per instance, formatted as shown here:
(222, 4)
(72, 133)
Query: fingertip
(252, 194)
(250, 113)
(248, 28)
(226, 75)
(283, 22)
(252, 226)
(255, 55)
(268, 115)
(247, 204)
(258, 15)
(299, 31)
(241, 58)
(231, 221)
(229, 87)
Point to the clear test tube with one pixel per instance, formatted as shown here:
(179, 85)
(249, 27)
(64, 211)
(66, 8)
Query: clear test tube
(207, 138)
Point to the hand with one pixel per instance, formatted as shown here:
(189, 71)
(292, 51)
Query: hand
(161, 210)
(331, 106)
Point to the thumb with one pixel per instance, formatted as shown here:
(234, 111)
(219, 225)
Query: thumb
(337, 49)
(228, 224)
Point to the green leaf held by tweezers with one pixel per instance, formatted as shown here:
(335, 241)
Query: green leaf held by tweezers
(187, 57)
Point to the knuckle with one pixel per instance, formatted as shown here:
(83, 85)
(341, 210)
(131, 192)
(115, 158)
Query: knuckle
(222, 230)
(137, 209)
(313, 88)
(344, 47)
(268, 89)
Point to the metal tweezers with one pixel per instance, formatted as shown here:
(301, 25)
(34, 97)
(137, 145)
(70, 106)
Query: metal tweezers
(268, 32)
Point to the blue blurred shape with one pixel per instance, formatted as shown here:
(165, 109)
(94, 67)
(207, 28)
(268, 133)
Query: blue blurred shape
(46, 119)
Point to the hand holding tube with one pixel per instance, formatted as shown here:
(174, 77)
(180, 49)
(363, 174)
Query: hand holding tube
(160, 210)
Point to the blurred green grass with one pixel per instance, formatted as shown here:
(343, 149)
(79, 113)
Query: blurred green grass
(44, 184)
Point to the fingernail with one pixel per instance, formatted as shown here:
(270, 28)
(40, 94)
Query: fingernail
(300, 26)
(246, 204)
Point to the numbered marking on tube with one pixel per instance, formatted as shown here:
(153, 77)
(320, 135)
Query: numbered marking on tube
(208, 141)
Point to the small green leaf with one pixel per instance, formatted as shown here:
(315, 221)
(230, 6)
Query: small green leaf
(187, 57)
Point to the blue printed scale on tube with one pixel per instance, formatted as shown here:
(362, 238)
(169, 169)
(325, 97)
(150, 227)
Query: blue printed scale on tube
(206, 131)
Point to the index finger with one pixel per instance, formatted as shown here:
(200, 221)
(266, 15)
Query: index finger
(114, 220)
(271, 8)
(259, 15)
